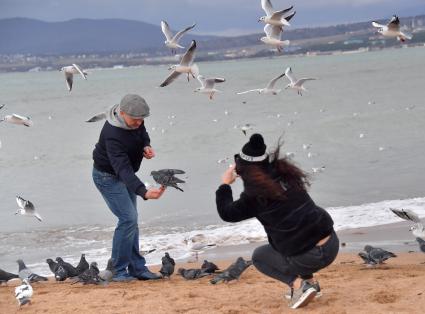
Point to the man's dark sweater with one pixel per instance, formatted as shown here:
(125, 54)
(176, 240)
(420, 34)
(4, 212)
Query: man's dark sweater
(120, 152)
(293, 226)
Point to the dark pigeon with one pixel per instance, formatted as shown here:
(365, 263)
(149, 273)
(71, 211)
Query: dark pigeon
(107, 274)
(165, 177)
(421, 244)
(168, 264)
(209, 267)
(5, 276)
(52, 265)
(61, 273)
(192, 273)
(375, 256)
(90, 276)
(233, 272)
(83, 265)
(26, 273)
(71, 270)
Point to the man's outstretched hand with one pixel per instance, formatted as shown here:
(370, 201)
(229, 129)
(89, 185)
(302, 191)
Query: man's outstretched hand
(154, 193)
(148, 152)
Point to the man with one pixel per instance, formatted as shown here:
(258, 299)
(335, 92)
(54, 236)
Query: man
(122, 144)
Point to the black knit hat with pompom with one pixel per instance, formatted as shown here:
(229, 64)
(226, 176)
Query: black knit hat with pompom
(254, 150)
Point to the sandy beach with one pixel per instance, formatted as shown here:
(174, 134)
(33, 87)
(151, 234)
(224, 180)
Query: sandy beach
(348, 287)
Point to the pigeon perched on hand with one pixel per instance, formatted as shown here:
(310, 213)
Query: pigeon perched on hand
(5, 276)
(168, 264)
(26, 273)
(165, 177)
(23, 293)
(233, 272)
(209, 267)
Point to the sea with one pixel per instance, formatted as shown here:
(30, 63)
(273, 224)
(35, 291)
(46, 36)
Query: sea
(362, 118)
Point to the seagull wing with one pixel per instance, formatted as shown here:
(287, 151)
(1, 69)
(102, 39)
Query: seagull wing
(201, 80)
(38, 217)
(98, 117)
(29, 205)
(80, 71)
(271, 84)
(166, 30)
(21, 202)
(377, 25)
(69, 80)
(1, 106)
(249, 91)
(17, 117)
(170, 79)
(394, 23)
(180, 34)
(268, 30)
(210, 82)
(301, 81)
(267, 7)
(278, 15)
(406, 35)
(289, 75)
(290, 16)
(406, 214)
(189, 55)
(276, 32)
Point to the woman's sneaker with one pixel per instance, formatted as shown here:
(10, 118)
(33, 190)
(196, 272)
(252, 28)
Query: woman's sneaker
(302, 296)
(288, 295)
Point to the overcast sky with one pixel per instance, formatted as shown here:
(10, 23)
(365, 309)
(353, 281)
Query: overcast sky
(231, 17)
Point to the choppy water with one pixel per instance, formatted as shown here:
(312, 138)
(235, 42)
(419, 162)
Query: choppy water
(379, 94)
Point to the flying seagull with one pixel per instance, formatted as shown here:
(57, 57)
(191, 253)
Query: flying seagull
(186, 66)
(69, 72)
(2, 105)
(417, 227)
(207, 85)
(273, 37)
(269, 89)
(296, 84)
(173, 41)
(26, 208)
(392, 29)
(17, 119)
(278, 18)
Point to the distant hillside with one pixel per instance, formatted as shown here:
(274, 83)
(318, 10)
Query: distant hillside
(29, 36)
(22, 35)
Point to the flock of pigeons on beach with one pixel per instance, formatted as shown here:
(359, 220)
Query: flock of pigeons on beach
(275, 21)
(86, 273)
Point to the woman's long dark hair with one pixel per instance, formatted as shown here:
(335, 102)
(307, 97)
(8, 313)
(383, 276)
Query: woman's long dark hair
(272, 178)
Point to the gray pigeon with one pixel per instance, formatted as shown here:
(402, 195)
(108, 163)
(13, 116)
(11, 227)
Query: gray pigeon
(109, 272)
(71, 270)
(366, 259)
(5, 276)
(165, 177)
(61, 273)
(209, 267)
(168, 264)
(83, 265)
(53, 266)
(191, 273)
(376, 255)
(90, 276)
(234, 271)
(26, 273)
(421, 244)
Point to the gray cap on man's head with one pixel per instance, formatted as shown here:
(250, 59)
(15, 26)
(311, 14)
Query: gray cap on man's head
(135, 106)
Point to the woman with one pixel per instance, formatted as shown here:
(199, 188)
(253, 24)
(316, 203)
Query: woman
(300, 233)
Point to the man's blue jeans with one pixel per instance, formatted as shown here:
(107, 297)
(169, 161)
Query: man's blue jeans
(122, 203)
